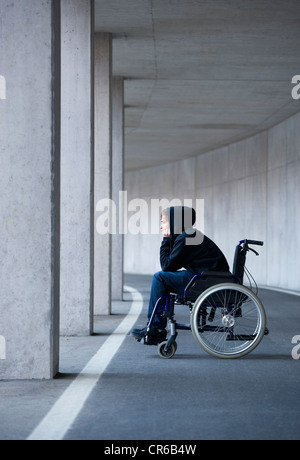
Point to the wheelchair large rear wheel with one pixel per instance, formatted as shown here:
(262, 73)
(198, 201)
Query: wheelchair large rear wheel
(228, 320)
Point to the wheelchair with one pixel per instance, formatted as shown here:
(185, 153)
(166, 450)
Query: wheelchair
(228, 320)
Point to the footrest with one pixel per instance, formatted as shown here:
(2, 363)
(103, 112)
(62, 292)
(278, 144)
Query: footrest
(183, 327)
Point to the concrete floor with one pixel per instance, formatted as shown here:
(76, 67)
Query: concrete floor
(191, 397)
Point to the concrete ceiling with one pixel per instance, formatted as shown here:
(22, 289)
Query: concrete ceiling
(200, 74)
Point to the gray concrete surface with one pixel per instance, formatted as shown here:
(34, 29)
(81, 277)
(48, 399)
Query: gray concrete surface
(76, 294)
(251, 190)
(30, 188)
(191, 397)
(102, 170)
(117, 243)
(200, 75)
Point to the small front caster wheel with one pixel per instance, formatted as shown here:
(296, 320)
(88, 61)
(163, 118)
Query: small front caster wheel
(169, 353)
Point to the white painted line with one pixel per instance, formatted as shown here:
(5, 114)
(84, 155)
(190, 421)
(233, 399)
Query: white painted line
(66, 409)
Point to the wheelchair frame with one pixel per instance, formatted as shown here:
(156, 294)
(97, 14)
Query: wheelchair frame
(228, 320)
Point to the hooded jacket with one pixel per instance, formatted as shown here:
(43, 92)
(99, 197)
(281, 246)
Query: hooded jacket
(188, 248)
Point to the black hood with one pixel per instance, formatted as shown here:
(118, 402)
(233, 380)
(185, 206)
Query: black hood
(181, 218)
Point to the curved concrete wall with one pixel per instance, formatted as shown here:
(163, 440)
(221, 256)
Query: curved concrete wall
(251, 190)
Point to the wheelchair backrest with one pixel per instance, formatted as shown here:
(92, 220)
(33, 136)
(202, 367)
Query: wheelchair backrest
(239, 261)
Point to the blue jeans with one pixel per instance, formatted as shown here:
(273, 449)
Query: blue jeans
(163, 284)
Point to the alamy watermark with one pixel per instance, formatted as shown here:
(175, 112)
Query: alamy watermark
(296, 89)
(296, 349)
(2, 348)
(139, 216)
(2, 87)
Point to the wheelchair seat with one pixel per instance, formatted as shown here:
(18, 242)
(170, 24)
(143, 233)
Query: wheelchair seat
(205, 280)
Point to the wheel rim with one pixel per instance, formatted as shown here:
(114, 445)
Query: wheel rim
(228, 320)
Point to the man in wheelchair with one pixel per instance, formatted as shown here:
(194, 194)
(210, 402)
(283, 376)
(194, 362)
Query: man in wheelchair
(184, 253)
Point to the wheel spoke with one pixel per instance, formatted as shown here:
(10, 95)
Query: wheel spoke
(234, 324)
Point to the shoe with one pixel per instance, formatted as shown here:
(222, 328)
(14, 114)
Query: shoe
(154, 337)
(139, 334)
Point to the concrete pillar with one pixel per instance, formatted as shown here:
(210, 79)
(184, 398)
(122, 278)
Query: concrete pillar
(117, 184)
(30, 189)
(103, 169)
(77, 163)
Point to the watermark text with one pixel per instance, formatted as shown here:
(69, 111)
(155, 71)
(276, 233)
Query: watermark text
(296, 349)
(296, 89)
(2, 348)
(139, 216)
(2, 87)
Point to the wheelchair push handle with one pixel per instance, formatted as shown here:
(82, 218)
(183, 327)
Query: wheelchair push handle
(252, 242)
(256, 243)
